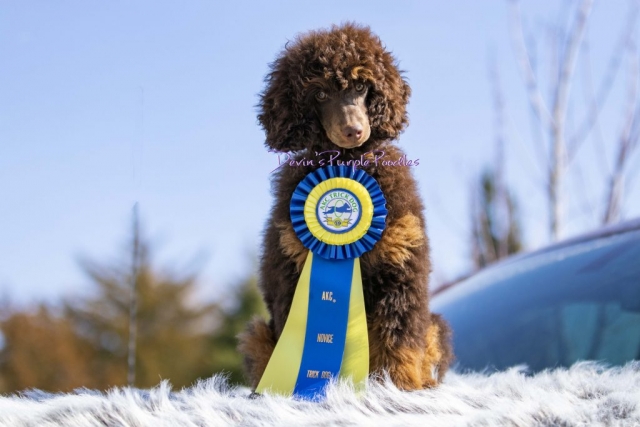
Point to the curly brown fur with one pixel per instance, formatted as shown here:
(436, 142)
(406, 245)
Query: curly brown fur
(330, 60)
(256, 343)
(406, 340)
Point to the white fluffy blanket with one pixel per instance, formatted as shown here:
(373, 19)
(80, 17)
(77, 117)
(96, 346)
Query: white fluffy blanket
(586, 394)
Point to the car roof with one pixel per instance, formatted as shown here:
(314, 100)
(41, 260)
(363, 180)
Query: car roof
(606, 231)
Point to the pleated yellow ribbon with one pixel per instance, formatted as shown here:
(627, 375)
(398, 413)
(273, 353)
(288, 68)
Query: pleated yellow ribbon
(282, 371)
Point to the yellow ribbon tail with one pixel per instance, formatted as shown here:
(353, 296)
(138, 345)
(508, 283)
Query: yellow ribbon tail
(281, 373)
(282, 370)
(355, 361)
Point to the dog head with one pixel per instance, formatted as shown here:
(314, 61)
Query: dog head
(329, 89)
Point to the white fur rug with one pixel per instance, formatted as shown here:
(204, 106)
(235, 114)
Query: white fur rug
(586, 394)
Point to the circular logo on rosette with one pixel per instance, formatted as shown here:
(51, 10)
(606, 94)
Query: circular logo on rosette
(338, 212)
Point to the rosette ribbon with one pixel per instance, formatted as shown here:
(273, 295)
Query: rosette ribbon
(338, 213)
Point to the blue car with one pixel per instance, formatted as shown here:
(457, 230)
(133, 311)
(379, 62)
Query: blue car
(576, 300)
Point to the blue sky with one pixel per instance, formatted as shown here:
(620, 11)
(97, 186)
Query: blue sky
(104, 104)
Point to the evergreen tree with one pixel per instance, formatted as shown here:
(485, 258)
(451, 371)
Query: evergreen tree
(247, 303)
(140, 325)
(495, 226)
(171, 331)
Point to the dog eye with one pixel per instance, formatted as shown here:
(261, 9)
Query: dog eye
(321, 96)
(359, 87)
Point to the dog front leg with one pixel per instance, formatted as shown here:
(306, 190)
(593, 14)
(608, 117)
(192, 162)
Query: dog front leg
(402, 363)
(397, 274)
(256, 344)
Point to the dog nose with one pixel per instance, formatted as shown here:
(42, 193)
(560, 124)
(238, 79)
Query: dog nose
(352, 133)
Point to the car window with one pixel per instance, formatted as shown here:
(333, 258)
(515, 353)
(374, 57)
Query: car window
(580, 302)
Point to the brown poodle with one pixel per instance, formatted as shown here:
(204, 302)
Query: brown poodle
(338, 95)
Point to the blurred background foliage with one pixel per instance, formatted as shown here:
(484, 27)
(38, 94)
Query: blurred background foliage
(84, 342)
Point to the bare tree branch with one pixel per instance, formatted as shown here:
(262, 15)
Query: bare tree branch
(533, 91)
(599, 142)
(568, 61)
(627, 143)
(538, 133)
(567, 64)
(555, 116)
(554, 121)
(581, 184)
(597, 103)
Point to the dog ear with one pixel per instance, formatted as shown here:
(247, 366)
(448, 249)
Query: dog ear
(388, 100)
(280, 112)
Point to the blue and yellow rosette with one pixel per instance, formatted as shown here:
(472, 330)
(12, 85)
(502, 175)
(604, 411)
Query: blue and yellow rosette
(338, 213)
